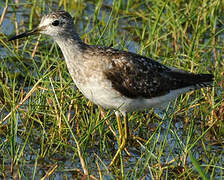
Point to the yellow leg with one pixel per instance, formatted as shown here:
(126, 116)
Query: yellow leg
(120, 129)
(122, 138)
(126, 130)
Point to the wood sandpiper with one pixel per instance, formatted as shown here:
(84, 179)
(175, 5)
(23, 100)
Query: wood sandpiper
(114, 79)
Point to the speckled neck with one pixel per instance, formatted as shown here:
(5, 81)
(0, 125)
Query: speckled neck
(73, 49)
(71, 46)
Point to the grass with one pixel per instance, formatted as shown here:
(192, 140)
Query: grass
(49, 130)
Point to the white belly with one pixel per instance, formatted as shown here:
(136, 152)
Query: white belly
(101, 94)
(104, 95)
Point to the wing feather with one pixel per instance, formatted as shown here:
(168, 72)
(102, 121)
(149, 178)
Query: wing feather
(138, 76)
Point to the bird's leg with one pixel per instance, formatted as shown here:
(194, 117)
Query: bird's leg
(126, 130)
(122, 138)
(120, 129)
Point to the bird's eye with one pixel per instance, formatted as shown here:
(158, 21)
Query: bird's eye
(55, 23)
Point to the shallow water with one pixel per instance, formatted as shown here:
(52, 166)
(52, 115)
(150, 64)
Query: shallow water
(68, 165)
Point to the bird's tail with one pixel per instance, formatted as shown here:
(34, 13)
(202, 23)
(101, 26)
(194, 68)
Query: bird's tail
(185, 79)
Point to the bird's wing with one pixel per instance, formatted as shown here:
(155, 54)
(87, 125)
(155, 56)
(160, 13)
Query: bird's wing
(138, 76)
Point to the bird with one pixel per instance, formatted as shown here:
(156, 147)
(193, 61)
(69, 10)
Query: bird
(114, 79)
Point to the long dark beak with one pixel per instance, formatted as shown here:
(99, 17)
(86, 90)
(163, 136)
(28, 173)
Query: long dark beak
(25, 34)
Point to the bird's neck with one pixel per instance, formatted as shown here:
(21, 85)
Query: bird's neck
(73, 49)
(71, 46)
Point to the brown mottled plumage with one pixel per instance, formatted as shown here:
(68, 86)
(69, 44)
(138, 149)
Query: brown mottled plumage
(114, 79)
